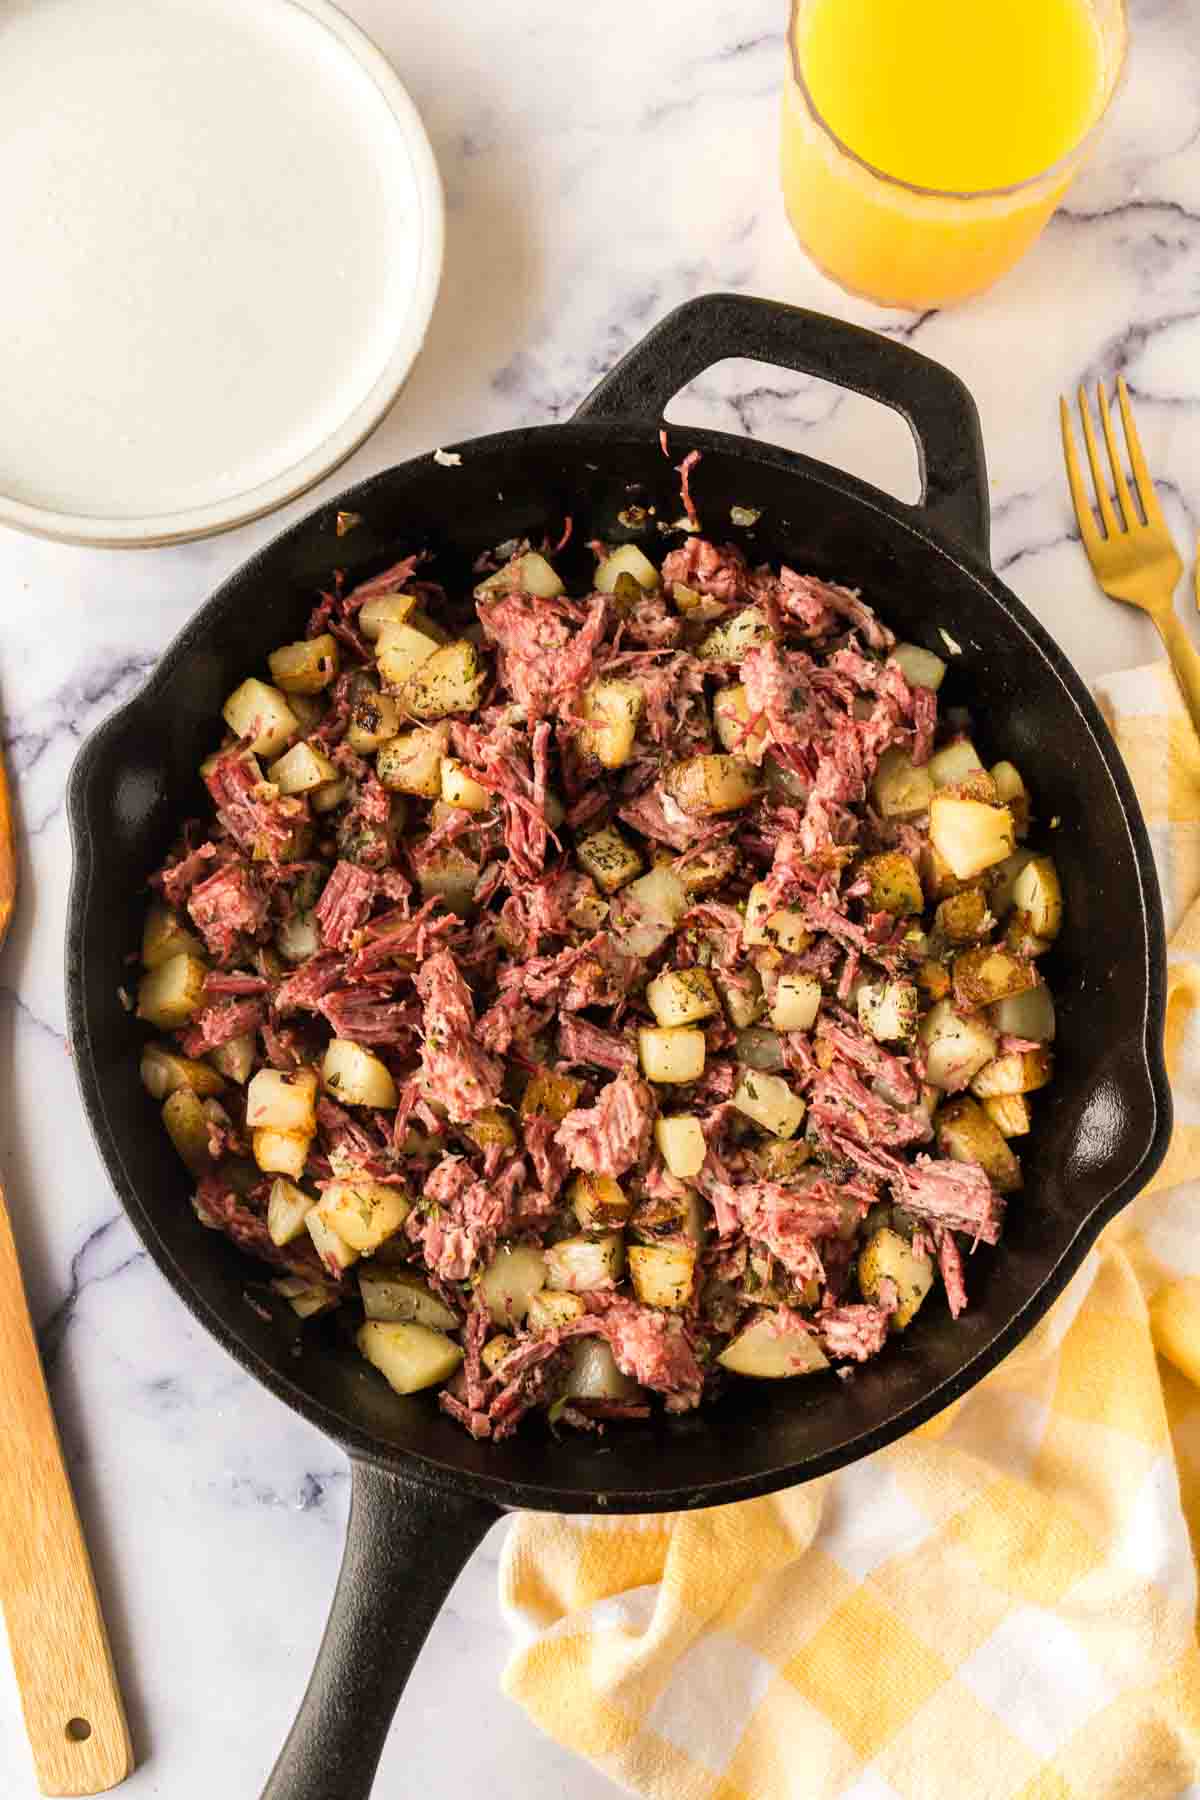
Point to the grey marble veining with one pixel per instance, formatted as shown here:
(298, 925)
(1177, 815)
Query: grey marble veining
(601, 164)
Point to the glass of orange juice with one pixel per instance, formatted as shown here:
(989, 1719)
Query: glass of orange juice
(926, 142)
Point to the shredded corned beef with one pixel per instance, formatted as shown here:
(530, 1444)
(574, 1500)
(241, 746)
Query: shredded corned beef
(614, 1135)
(502, 1060)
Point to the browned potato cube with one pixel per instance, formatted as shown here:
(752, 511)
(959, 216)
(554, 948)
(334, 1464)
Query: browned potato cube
(1017, 1072)
(986, 975)
(933, 979)
(961, 917)
(1011, 1114)
(894, 882)
(966, 1134)
(704, 786)
(553, 1095)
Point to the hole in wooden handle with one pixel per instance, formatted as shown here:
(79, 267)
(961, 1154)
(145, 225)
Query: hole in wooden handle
(78, 1730)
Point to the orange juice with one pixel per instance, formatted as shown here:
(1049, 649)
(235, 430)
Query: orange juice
(926, 142)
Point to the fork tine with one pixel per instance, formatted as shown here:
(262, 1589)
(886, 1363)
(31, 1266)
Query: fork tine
(1107, 515)
(1137, 460)
(1079, 495)
(1124, 497)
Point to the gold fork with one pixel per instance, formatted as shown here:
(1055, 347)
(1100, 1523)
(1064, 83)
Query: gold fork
(1132, 561)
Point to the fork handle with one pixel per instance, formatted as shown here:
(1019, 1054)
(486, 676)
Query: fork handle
(1185, 660)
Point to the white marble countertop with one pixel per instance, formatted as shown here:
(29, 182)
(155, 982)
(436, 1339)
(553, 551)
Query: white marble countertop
(601, 164)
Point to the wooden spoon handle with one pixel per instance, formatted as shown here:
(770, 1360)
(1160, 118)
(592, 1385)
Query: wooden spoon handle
(60, 1649)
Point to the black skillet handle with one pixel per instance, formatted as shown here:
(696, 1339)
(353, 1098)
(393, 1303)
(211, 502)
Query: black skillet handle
(405, 1546)
(940, 411)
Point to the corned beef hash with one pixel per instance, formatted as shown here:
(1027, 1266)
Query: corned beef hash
(606, 995)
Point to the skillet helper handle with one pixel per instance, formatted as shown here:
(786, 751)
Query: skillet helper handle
(938, 408)
(406, 1543)
(60, 1651)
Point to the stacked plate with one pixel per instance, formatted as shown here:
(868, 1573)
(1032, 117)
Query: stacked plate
(221, 236)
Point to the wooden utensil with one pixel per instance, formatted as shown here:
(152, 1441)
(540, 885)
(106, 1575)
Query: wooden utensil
(73, 1709)
(1132, 561)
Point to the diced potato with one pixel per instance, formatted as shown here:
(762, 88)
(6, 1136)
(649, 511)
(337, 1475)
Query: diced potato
(781, 929)
(961, 917)
(966, 1134)
(741, 995)
(771, 1348)
(1018, 1072)
(626, 559)
(705, 786)
(235, 1057)
(730, 640)
(551, 1095)
(662, 1274)
(649, 909)
(496, 1349)
(336, 1255)
(599, 1201)
(937, 877)
(400, 651)
(450, 682)
(507, 1286)
(549, 1309)
(1027, 1015)
(682, 996)
(171, 992)
(759, 1048)
(399, 1296)
(306, 1299)
(681, 1144)
(187, 1124)
(987, 974)
(782, 1160)
(462, 790)
(299, 937)
(1010, 1114)
(451, 875)
(301, 769)
(608, 857)
(969, 834)
(259, 712)
(933, 979)
(164, 935)
(1037, 895)
(374, 718)
(491, 1130)
(409, 1357)
(770, 1102)
(888, 1256)
(385, 609)
(582, 1265)
(593, 1373)
(412, 762)
(888, 1010)
(364, 1212)
(613, 710)
(329, 795)
(287, 1209)
(164, 1070)
(1012, 792)
(709, 870)
(280, 1152)
(920, 668)
(538, 577)
(282, 1100)
(955, 1048)
(956, 762)
(899, 789)
(796, 1002)
(895, 886)
(1021, 940)
(307, 667)
(674, 1055)
(356, 1077)
(1002, 879)
(731, 720)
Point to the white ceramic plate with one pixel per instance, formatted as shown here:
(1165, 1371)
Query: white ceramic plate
(220, 245)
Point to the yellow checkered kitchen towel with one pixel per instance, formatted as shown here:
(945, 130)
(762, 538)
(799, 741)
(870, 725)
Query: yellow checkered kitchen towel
(1003, 1605)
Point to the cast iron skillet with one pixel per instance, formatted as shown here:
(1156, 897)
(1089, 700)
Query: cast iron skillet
(423, 1492)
